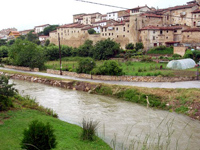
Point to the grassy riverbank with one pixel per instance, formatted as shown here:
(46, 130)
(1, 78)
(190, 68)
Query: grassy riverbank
(14, 121)
(185, 101)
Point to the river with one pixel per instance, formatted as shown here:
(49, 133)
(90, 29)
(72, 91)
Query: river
(121, 124)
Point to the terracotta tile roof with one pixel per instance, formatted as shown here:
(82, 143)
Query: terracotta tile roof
(152, 15)
(15, 33)
(192, 30)
(139, 7)
(182, 6)
(72, 25)
(172, 42)
(87, 27)
(196, 11)
(53, 31)
(161, 28)
(42, 25)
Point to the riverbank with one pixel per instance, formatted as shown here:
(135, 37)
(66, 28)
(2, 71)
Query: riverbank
(186, 101)
(14, 121)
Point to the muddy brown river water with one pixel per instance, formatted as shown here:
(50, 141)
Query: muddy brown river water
(122, 124)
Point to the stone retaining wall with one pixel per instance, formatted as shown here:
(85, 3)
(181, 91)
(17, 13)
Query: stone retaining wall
(21, 68)
(122, 78)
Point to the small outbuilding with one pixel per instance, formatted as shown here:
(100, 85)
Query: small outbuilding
(181, 64)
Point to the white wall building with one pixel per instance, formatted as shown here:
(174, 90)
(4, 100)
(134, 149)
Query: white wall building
(40, 28)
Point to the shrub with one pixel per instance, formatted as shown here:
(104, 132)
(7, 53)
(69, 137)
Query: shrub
(86, 65)
(176, 56)
(161, 50)
(110, 67)
(89, 129)
(38, 136)
(91, 31)
(130, 46)
(5, 103)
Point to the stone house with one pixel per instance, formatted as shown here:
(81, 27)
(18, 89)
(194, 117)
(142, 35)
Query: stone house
(191, 37)
(25, 32)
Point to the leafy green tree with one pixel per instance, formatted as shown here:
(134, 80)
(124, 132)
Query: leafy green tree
(139, 46)
(66, 50)
(10, 42)
(105, 49)
(4, 51)
(91, 31)
(47, 42)
(85, 49)
(86, 65)
(33, 38)
(110, 67)
(39, 136)
(27, 54)
(52, 52)
(6, 91)
(49, 29)
(2, 42)
(130, 46)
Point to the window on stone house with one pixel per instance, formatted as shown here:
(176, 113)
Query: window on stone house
(128, 31)
(175, 31)
(116, 29)
(109, 34)
(194, 16)
(154, 38)
(105, 34)
(188, 36)
(112, 33)
(123, 35)
(124, 29)
(102, 34)
(167, 31)
(154, 31)
(117, 36)
(128, 25)
(161, 32)
(166, 37)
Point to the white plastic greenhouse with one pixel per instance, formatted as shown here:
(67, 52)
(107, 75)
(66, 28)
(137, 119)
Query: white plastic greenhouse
(181, 64)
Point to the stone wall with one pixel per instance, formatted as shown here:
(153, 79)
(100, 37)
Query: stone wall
(180, 50)
(122, 78)
(22, 68)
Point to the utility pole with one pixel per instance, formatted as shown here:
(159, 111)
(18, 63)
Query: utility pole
(60, 54)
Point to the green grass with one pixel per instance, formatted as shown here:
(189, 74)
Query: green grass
(14, 122)
(129, 68)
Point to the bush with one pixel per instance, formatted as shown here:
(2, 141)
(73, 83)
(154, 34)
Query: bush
(91, 31)
(161, 50)
(4, 51)
(130, 46)
(89, 129)
(86, 65)
(110, 67)
(38, 136)
(176, 56)
(6, 90)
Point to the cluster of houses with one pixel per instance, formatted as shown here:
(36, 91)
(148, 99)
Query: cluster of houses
(178, 25)
(173, 26)
(12, 33)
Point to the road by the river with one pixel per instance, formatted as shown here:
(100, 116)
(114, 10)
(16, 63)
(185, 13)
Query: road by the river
(184, 84)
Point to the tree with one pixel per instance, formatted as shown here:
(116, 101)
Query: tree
(27, 54)
(139, 46)
(10, 42)
(2, 42)
(130, 46)
(6, 91)
(66, 50)
(91, 31)
(49, 29)
(105, 49)
(39, 136)
(86, 65)
(33, 38)
(4, 51)
(47, 42)
(85, 49)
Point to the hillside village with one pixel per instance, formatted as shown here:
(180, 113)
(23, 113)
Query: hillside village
(173, 26)
(178, 25)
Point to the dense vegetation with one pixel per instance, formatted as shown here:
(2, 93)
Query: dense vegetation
(161, 50)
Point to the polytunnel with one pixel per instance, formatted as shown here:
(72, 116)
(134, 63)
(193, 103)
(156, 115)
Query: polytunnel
(181, 64)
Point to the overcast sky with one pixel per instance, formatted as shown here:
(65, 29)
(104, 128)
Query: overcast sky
(25, 14)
